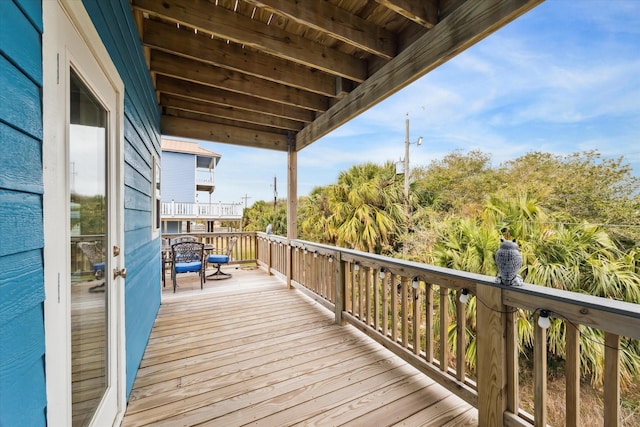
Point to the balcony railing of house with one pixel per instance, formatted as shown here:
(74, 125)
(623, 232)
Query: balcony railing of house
(185, 210)
(205, 176)
(398, 304)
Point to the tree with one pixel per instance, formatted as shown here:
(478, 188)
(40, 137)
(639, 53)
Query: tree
(584, 186)
(574, 256)
(367, 207)
(313, 217)
(457, 183)
(261, 214)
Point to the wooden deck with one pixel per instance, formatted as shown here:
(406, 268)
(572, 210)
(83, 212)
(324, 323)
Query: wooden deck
(247, 351)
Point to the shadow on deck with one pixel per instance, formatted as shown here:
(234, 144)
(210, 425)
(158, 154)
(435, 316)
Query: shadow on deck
(249, 351)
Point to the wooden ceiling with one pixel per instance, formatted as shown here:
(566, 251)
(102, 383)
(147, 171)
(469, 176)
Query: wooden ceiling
(280, 74)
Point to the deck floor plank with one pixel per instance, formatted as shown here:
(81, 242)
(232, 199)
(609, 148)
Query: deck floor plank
(248, 351)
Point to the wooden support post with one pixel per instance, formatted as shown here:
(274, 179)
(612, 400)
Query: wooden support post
(292, 192)
(492, 401)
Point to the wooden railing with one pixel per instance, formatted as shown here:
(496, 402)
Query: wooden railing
(399, 304)
(244, 252)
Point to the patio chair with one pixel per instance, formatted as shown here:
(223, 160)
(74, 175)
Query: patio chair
(187, 257)
(181, 239)
(96, 257)
(219, 259)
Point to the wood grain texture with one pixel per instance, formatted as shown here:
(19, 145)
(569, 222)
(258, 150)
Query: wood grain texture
(22, 373)
(247, 350)
(21, 40)
(491, 354)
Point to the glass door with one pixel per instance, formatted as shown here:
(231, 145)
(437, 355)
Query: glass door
(83, 204)
(88, 207)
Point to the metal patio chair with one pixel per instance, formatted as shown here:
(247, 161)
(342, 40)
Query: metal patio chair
(187, 257)
(220, 259)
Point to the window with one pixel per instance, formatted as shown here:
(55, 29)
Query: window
(157, 204)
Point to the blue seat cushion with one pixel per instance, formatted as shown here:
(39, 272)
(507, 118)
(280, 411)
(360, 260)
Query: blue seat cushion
(186, 267)
(218, 259)
(98, 267)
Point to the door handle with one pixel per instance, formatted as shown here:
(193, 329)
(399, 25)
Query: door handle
(122, 273)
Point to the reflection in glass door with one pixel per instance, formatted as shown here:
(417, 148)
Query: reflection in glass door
(89, 290)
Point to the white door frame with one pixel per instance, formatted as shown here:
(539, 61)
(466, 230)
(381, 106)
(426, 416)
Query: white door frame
(70, 38)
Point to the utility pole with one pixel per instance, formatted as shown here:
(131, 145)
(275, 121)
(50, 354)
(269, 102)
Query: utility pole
(406, 166)
(245, 197)
(407, 143)
(275, 193)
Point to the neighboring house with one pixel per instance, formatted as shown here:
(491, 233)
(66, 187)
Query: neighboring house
(188, 170)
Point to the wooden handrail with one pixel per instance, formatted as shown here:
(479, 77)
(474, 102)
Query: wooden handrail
(416, 324)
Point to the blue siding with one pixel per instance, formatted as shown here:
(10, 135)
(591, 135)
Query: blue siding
(22, 343)
(114, 22)
(178, 181)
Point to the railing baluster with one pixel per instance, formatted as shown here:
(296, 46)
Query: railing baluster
(540, 375)
(572, 375)
(363, 272)
(354, 280)
(404, 310)
(393, 289)
(376, 301)
(611, 379)
(444, 326)
(461, 340)
(385, 306)
(428, 341)
(367, 296)
(512, 351)
(415, 294)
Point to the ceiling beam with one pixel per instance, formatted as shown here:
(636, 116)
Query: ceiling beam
(201, 130)
(228, 25)
(169, 38)
(222, 97)
(465, 26)
(335, 22)
(424, 13)
(229, 113)
(199, 72)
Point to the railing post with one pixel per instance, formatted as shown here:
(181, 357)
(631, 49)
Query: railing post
(492, 356)
(340, 288)
(289, 266)
(268, 256)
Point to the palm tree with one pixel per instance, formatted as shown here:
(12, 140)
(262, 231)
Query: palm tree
(367, 207)
(576, 257)
(313, 217)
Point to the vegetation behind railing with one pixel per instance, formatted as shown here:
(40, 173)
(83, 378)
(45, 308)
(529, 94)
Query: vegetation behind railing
(401, 304)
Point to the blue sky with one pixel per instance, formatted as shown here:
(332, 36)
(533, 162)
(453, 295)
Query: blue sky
(563, 78)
